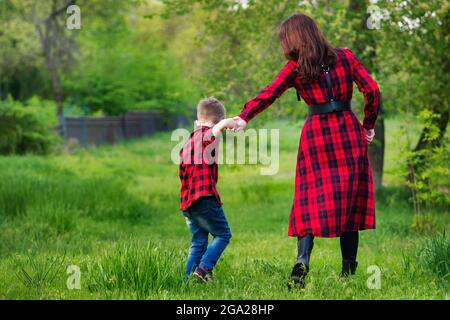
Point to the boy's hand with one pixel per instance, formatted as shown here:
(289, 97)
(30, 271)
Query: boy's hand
(224, 124)
(229, 123)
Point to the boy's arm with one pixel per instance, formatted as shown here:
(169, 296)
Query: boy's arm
(225, 123)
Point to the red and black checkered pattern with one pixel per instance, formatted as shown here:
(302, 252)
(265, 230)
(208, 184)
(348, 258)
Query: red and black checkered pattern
(198, 167)
(333, 185)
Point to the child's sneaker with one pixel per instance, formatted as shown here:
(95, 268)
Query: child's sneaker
(203, 275)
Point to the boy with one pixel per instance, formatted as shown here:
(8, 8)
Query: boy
(200, 201)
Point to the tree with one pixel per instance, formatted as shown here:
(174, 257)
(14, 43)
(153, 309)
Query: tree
(49, 20)
(417, 46)
(57, 43)
(22, 67)
(364, 45)
(240, 47)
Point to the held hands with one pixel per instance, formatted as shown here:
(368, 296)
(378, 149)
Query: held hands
(233, 124)
(240, 124)
(228, 124)
(370, 134)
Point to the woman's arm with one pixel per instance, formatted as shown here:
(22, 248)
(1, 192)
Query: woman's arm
(370, 90)
(283, 81)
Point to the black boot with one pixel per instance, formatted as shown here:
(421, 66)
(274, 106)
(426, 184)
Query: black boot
(348, 268)
(301, 267)
(349, 248)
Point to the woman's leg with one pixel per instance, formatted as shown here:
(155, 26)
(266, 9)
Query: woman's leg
(304, 248)
(349, 249)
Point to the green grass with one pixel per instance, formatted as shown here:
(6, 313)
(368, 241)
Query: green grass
(114, 212)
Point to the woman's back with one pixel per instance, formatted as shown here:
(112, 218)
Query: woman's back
(343, 73)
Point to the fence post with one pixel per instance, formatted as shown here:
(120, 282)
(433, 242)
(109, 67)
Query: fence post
(84, 133)
(62, 124)
(123, 126)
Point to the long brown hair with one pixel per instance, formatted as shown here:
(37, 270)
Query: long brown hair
(302, 41)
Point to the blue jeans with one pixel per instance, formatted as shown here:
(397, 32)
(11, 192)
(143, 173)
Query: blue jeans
(205, 216)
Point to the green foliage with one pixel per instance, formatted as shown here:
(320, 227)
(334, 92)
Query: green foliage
(27, 128)
(22, 68)
(112, 65)
(240, 50)
(123, 70)
(413, 55)
(429, 172)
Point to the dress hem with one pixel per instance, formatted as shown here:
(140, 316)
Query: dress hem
(332, 235)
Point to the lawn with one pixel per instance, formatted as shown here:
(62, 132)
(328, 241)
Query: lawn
(114, 212)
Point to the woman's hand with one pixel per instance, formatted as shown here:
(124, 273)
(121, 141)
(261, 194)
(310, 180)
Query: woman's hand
(229, 124)
(369, 134)
(240, 124)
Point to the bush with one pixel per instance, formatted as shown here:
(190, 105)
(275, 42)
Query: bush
(435, 257)
(429, 178)
(27, 128)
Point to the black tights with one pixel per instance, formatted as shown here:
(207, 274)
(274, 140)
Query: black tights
(349, 245)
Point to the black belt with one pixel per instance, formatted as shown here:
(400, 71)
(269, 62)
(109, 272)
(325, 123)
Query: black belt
(331, 106)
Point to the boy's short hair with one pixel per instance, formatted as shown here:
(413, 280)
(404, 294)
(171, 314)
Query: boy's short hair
(211, 109)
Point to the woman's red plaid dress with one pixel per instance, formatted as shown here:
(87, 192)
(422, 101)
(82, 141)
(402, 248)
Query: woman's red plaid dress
(333, 183)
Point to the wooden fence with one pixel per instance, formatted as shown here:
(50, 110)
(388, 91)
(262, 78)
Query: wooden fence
(109, 130)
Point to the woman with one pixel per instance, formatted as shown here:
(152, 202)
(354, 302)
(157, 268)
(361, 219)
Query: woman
(333, 184)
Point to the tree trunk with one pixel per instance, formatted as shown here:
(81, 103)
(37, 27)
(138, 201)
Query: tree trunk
(49, 31)
(376, 153)
(56, 84)
(57, 94)
(357, 9)
(56, 87)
